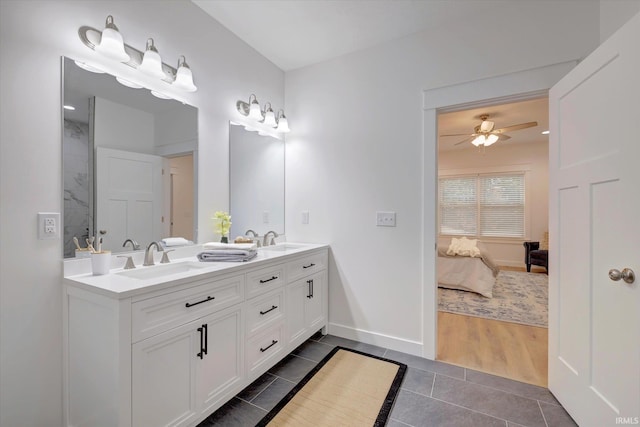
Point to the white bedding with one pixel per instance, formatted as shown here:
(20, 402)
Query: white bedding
(474, 274)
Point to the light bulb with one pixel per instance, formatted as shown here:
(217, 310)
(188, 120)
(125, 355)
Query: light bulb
(111, 43)
(151, 62)
(254, 110)
(184, 76)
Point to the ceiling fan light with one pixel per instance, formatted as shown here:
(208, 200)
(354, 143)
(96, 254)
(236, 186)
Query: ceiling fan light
(490, 139)
(479, 140)
(486, 126)
(111, 42)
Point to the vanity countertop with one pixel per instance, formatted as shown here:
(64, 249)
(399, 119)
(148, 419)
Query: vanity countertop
(120, 283)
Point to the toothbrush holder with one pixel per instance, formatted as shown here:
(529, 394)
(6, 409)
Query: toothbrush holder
(101, 262)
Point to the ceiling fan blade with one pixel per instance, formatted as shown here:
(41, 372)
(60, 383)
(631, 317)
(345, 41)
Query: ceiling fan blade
(503, 137)
(516, 127)
(469, 139)
(457, 134)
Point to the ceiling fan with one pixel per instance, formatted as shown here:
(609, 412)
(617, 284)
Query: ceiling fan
(484, 134)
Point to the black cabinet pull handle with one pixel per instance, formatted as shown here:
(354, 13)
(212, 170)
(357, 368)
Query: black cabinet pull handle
(273, 307)
(206, 338)
(308, 266)
(199, 302)
(273, 342)
(268, 280)
(310, 290)
(201, 354)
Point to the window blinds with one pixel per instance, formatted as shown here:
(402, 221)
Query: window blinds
(482, 205)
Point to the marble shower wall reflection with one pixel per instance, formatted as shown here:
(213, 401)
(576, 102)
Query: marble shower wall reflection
(75, 152)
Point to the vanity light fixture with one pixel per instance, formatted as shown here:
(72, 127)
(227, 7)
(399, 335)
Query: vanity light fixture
(128, 83)
(283, 123)
(159, 95)
(269, 116)
(88, 67)
(151, 62)
(111, 42)
(184, 76)
(259, 120)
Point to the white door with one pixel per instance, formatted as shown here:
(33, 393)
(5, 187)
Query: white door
(129, 197)
(594, 225)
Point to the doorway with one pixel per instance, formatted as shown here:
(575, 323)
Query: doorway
(496, 195)
(181, 197)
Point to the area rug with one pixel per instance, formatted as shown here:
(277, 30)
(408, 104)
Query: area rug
(518, 297)
(346, 388)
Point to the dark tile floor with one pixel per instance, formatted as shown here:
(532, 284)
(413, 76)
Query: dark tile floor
(432, 394)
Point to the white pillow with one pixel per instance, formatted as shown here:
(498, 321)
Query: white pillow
(463, 247)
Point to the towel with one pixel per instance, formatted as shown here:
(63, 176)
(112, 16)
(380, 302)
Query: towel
(175, 241)
(228, 255)
(229, 246)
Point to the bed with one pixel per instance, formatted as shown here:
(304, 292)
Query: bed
(467, 273)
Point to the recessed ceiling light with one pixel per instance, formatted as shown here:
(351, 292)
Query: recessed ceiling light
(69, 107)
(545, 132)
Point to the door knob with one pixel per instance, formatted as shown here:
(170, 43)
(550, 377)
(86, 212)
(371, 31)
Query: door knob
(626, 274)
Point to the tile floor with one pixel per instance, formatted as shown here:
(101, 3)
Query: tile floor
(432, 394)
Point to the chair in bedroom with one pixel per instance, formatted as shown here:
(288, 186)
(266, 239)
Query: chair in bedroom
(537, 254)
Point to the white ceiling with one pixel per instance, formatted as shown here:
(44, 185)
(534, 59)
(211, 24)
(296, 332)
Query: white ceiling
(463, 122)
(297, 33)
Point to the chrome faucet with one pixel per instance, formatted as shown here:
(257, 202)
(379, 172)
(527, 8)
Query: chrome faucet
(134, 245)
(148, 254)
(270, 242)
(255, 235)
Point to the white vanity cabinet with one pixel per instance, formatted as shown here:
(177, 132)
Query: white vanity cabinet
(169, 353)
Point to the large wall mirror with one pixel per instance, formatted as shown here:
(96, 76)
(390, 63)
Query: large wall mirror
(129, 163)
(256, 179)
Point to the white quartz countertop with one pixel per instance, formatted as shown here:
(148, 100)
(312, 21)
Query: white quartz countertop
(120, 283)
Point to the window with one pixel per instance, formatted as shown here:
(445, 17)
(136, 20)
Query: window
(487, 205)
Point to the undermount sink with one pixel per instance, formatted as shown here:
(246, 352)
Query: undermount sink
(156, 271)
(282, 247)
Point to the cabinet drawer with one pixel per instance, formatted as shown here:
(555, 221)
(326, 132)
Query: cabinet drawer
(264, 280)
(305, 266)
(154, 315)
(264, 310)
(265, 349)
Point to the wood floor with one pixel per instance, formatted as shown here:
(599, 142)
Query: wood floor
(506, 349)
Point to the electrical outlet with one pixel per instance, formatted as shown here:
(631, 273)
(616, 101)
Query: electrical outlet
(386, 219)
(48, 225)
(265, 217)
(305, 217)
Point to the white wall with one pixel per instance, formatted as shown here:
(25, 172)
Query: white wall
(356, 147)
(534, 158)
(33, 37)
(614, 14)
(122, 127)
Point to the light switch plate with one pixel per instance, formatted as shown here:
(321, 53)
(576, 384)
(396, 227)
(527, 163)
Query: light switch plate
(48, 225)
(265, 217)
(385, 219)
(305, 217)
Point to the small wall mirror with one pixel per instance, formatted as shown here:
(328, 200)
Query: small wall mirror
(129, 163)
(256, 179)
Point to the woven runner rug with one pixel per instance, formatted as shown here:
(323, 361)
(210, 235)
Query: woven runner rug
(347, 388)
(518, 297)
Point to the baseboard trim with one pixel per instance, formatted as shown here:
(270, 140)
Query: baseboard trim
(374, 338)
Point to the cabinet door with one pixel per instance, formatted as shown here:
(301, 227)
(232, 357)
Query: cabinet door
(297, 293)
(315, 301)
(221, 368)
(306, 306)
(163, 378)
